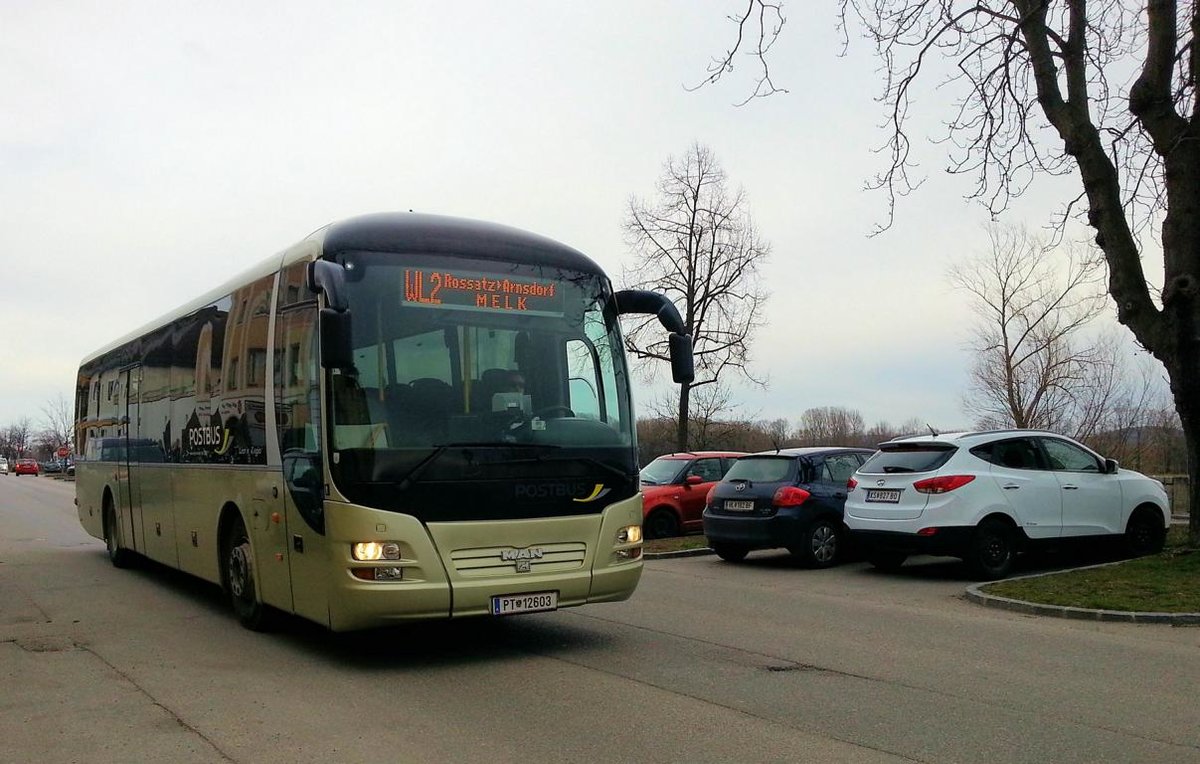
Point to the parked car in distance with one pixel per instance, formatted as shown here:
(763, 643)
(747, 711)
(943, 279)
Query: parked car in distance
(984, 497)
(26, 467)
(3, 466)
(790, 498)
(49, 466)
(674, 487)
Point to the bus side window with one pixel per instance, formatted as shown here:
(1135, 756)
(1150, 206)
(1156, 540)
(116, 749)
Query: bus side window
(582, 386)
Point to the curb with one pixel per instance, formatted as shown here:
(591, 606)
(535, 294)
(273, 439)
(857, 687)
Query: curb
(681, 553)
(976, 595)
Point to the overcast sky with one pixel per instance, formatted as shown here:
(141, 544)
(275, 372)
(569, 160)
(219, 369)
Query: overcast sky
(150, 151)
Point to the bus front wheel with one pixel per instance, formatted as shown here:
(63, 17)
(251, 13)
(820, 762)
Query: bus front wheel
(238, 566)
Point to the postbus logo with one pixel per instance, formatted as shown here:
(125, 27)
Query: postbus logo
(580, 492)
(217, 438)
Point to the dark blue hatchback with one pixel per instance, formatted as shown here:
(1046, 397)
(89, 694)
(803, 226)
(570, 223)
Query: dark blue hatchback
(790, 498)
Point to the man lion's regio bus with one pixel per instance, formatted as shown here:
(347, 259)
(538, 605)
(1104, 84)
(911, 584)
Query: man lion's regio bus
(402, 416)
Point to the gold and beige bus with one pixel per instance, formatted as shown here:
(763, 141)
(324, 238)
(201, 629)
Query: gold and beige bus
(402, 416)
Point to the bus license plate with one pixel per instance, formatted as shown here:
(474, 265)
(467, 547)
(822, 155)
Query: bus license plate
(885, 495)
(739, 506)
(510, 604)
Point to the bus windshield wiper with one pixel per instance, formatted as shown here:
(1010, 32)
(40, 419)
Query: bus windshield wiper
(539, 459)
(411, 476)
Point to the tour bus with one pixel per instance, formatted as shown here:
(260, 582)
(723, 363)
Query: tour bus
(403, 416)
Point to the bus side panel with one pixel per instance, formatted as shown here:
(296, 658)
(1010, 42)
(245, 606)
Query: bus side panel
(90, 479)
(200, 493)
(269, 537)
(423, 592)
(158, 514)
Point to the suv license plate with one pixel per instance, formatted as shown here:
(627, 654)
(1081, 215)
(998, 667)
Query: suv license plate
(739, 506)
(534, 602)
(885, 495)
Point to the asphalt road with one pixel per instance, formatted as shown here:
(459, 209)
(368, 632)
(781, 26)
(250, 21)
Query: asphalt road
(708, 662)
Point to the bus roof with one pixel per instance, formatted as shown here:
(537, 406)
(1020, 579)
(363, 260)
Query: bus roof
(388, 232)
(439, 234)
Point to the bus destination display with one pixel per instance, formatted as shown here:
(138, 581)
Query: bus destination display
(461, 290)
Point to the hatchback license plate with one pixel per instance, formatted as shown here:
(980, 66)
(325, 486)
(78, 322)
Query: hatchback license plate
(885, 495)
(739, 506)
(534, 602)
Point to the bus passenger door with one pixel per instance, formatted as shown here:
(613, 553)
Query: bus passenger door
(298, 418)
(128, 481)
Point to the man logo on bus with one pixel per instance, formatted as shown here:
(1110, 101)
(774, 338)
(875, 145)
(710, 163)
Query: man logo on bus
(523, 558)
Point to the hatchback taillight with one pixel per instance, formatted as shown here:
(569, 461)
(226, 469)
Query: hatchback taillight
(851, 484)
(708, 498)
(790, 496)
(942, 484)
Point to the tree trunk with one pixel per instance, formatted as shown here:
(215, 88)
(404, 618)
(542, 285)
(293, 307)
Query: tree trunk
(681, 429)
(1191, 435)
(1184, 374)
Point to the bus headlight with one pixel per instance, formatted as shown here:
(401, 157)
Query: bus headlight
(373, 551)
(630, 534)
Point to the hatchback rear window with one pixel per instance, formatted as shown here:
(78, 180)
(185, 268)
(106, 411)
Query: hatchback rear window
(909, 457)
(764, 469)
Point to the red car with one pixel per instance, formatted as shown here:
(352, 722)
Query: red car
(26, 467)
(674, 487)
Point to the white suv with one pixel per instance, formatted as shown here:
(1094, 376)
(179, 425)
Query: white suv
(985, 496)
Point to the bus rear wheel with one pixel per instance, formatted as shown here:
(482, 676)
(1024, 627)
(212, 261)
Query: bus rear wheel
(237, 565)
(118, 555)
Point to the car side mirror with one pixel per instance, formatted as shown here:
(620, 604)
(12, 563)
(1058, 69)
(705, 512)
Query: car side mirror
(693, 480)
(1111, 466)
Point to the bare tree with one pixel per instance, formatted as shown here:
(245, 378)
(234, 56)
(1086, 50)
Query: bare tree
(697, 243)
(779, 432)
(1024, 65)
(710, 424)
(1031, 369)
(58, 424)
(831, 426)
(18, 437)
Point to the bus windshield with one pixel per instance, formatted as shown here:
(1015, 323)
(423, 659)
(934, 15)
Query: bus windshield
(474, 369)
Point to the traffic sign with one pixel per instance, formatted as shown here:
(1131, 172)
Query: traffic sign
(63, 452)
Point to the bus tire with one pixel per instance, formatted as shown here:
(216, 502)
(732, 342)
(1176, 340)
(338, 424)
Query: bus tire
(238, 575)
(118, 555)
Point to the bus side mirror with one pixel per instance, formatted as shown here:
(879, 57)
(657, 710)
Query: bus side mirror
(329, 278)
(683, 369)
(642, 301)
(335, 339)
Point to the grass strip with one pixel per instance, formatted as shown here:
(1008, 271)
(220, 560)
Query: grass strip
(1164, 583)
